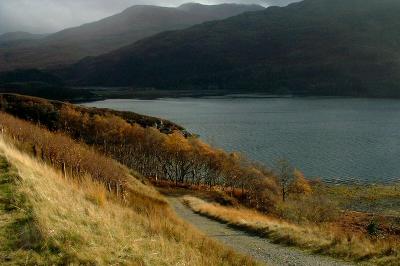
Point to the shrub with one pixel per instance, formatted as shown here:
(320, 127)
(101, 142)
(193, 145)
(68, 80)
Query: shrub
(373, 228)
(308, 209)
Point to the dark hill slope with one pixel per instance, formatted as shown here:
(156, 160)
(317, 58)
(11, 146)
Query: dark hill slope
(135, 23)
(10, 37)
(318, 47)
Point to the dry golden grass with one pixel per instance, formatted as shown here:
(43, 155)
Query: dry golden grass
(381, 199)
(324, 239)
(82, 223)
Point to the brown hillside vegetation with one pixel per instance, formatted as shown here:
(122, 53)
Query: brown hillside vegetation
(47, 112)
(74, 216)
(146, 148)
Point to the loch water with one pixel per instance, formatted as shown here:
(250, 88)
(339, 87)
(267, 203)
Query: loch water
(337, 139)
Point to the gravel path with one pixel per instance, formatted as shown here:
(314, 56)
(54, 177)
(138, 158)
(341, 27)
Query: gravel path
(260, 248)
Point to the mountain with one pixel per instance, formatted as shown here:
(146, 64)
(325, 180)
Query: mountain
(315, 47)
(134, 23)
(19, 36)
(280, 2)
(28, 75)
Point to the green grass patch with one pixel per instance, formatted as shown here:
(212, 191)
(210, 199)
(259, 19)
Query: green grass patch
(21, 242)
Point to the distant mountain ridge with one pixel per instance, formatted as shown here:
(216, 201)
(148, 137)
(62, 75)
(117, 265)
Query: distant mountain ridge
(19, 36)
(133, 24)
(281, 3)
(315, 47)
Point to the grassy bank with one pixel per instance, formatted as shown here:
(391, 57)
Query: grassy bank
(324, 239)
(63, 220)
(380, 199)
(19, 236)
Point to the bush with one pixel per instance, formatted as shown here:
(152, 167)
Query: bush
(308, 209)
(373, 228)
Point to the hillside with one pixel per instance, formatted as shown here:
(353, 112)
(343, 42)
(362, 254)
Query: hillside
(95, 213)
(159, 150)
(11, 37)
(49, 113)
(134, 23)
(315, 47)
(113, 157)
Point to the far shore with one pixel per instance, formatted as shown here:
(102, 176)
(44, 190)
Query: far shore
(103, 93)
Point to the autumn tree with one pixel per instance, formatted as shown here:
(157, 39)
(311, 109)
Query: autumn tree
(300, 185)
(179, 151)
(284, 176)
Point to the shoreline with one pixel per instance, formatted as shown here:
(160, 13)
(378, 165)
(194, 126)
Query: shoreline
(106, 93)
(332, 180)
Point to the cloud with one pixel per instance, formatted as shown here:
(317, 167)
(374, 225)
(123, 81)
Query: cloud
(46, 16)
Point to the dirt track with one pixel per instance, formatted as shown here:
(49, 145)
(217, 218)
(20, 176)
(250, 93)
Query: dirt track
(260, 248)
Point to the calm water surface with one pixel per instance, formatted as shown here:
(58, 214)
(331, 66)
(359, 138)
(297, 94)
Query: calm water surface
(336, 139)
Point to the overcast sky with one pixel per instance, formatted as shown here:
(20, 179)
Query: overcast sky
(46, 16)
